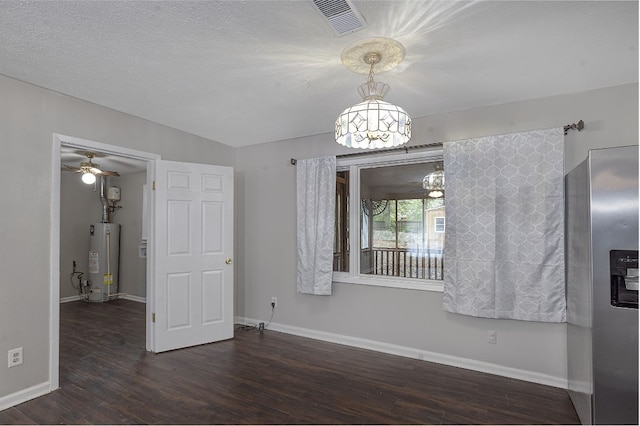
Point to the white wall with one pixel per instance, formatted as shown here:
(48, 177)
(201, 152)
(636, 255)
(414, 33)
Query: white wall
(410, 318)
(29, 116)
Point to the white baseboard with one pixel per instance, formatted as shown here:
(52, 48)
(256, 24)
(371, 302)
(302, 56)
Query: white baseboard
(126, 296)
(24, 395)
(454, 361)
(135, 298)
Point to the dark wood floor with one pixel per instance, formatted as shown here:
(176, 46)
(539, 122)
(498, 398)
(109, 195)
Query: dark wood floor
(107, 377)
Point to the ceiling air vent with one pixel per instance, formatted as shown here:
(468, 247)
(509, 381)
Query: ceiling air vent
(341, 16)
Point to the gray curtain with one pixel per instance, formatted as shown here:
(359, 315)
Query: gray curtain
(316, 195)
(504, 247)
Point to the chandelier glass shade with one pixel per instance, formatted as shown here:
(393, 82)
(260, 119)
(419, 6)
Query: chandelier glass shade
(373, 123)
(433, 183)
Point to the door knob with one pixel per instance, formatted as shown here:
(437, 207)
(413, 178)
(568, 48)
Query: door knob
(227, 261)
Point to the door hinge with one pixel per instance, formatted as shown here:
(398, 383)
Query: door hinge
(153, 317)
(154, 185)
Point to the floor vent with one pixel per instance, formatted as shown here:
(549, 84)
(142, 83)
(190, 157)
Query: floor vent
(341, 16)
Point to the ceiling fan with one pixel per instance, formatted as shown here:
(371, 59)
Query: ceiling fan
(89, 169)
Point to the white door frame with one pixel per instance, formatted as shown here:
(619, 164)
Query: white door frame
(54, 321)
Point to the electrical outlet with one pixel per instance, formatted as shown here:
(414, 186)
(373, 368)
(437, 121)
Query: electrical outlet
(15, 357)
(492, 337)
(274, 301)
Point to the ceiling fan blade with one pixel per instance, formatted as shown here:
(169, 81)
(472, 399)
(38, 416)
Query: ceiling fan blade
(108, 173)
(70, 169)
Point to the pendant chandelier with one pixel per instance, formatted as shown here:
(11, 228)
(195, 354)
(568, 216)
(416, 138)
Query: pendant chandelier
(373, 123)
(433, 183)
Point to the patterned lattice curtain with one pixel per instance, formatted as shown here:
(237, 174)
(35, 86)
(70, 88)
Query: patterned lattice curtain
(316, 195)
(504, 250)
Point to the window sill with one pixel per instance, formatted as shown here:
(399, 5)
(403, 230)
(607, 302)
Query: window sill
(410, 284)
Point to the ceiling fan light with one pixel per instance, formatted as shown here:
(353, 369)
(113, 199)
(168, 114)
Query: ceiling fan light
(88, 178)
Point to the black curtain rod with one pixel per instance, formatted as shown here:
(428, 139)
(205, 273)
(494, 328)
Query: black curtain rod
(406, 149)
(574, 126)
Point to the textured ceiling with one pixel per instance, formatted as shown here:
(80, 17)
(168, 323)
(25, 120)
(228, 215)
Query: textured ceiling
(249, 72)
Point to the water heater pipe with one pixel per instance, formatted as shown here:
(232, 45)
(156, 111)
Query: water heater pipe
(109, 280)
(103, 200)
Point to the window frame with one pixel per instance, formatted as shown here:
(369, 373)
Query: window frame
(354, 165)
(435, 224)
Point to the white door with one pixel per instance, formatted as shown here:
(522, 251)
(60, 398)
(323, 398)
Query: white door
(193, 231)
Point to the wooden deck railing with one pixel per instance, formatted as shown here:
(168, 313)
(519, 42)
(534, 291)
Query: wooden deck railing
(422, 264)
(408, 263)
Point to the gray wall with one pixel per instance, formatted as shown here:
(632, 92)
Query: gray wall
(409, 318)
(133, 273)
(80, 206)
(29, 116)
(265, 230)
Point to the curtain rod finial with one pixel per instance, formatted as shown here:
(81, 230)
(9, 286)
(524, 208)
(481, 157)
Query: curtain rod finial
(574, 126)
(294, 161)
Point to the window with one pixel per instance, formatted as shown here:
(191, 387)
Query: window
(399, 230)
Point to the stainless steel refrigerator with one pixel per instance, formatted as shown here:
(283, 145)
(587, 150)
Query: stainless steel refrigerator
(601, 197)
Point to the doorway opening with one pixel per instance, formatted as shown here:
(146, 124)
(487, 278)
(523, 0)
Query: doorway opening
(76, 208)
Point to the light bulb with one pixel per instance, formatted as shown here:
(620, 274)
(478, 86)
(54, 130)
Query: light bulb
(88, 178)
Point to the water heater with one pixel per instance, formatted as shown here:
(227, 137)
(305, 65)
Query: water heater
(104, 253)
